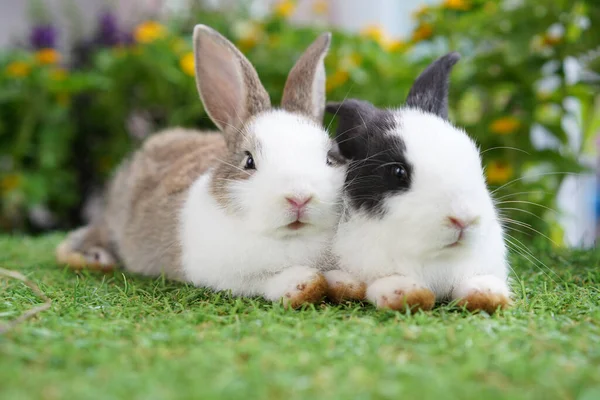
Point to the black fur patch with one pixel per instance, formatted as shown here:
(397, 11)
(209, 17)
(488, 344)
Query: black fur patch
(373, 153)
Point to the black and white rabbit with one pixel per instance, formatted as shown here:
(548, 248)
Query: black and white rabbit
(420, 224)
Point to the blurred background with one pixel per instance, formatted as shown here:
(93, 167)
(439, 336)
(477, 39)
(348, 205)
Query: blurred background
(82, 82)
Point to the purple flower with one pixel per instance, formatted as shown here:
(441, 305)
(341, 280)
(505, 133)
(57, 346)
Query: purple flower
(43, 36)
(108, 30)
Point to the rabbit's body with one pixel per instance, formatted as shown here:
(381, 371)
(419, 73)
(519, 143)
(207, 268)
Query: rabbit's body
(251, 209)
(420, 224)
(147, 191)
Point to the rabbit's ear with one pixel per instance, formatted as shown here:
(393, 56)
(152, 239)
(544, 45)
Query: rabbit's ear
(357, 118)
(304, 90)
(227, 83)
(430, 90)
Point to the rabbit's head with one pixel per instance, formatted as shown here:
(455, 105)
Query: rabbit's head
(414, 172)
(282, 175)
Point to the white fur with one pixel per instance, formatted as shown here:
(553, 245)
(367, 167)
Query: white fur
(337, 277)
(285, 284)
(411, 239)
(391, 289)
(244, 249)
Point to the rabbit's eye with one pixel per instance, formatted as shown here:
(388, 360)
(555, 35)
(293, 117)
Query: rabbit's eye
(399, 172)
(249, 163)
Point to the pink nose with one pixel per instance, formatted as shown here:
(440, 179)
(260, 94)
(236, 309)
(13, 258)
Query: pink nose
(299, 202)
(461, 223)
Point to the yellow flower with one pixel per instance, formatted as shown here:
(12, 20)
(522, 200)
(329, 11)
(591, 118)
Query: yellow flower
(10, 182)
(420, 12)
(423, 32)
(338, 78)
(377, 34)
(505, 125)
(248, 35)
(320, 7)
(285, 8)
(47, 56)
(350, 61)
(149, 31)
(394, 45)
(188, 64)
(18, 69)
(461, 5)
(58, 74)
(498, 172)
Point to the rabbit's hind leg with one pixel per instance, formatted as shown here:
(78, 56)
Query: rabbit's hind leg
(87, 248)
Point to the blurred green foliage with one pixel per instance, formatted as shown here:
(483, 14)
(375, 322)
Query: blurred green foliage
(63, 128)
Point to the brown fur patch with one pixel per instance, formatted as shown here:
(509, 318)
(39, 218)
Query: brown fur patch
(486, 301)
(230, 168)
(65, 255)
(340, 291)
(418, 299)
(307, 293)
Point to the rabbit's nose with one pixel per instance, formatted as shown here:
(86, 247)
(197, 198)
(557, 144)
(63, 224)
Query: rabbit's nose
(462, 223)
(298, 202)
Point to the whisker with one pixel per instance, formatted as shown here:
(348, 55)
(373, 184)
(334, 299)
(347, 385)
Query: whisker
(530, 253)
(338, 109)
(524, 211)
(524, 225)
(528, 202)
(533, 176)
(233, 166)
(505, 147)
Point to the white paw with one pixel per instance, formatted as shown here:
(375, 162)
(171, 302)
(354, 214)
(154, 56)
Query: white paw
(343, 286)
(397, 292)
(482, 284)
(484, 292)
(296, 286)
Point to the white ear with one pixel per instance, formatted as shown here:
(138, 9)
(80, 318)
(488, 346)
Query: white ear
(227, 83)
(304, 90)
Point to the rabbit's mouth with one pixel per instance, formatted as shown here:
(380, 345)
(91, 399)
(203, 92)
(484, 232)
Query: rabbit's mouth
(296, 225)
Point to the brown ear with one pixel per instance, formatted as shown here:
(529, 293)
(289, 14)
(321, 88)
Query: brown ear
(304, 90)
(227, 83)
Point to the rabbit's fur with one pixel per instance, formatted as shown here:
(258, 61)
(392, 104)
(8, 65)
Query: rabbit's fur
(216, 209)
(420, 224)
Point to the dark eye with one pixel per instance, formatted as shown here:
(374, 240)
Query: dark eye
(399, 172)
(249, 164)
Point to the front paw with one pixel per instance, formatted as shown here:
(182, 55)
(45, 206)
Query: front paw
(486, 292)
(399, 292)
(343, 287)
(296, 286)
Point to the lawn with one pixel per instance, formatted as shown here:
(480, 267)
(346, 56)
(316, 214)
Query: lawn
(122, 336)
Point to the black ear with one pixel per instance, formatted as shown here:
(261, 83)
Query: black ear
(430, 90)
(355, 116)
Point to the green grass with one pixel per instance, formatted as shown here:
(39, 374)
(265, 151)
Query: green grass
(122, 336)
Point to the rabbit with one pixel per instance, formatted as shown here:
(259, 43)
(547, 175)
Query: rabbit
(419, 224)
(250, 210)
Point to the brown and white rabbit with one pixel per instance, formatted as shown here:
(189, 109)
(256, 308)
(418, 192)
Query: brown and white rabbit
(251, 210)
